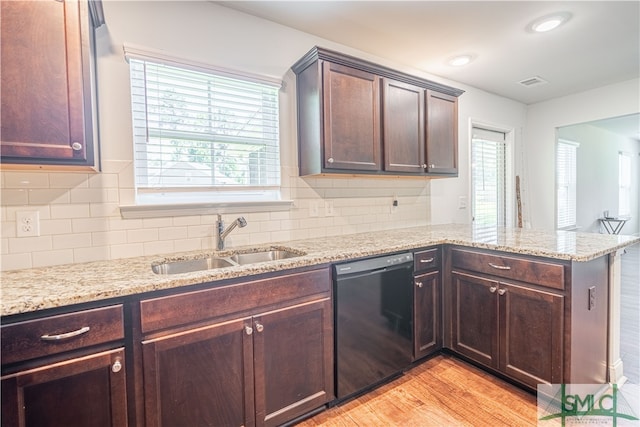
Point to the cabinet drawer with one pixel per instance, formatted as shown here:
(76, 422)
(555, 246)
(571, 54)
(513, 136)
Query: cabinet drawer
(55, 334)
(426, 260)
(531, 271)
(182, 309)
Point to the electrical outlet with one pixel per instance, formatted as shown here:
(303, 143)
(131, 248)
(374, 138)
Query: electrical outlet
(328, 208)
(462, 202)
(27, 223)
(313, 208)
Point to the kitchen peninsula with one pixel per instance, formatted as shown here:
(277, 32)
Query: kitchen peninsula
(143, 317)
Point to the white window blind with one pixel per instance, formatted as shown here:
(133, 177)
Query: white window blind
(489, 178)
(566, 169)
(202, 131)
(624, 183)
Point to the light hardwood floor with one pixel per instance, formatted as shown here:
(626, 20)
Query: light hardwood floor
(443, 391)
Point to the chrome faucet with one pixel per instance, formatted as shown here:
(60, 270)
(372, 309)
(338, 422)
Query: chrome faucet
(221, 233)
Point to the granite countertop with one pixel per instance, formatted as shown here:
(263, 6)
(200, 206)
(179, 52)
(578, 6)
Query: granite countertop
(49, 287)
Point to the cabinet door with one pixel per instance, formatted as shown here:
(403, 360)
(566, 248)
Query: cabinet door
(201, 377)
(426, 301)
(475, 318)
(351, 118)
(45, 84)
(293, 361)
(442, 133)
(403, 127)
(86, 391)
(531, 334)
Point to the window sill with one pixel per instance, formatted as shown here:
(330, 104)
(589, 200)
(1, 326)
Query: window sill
(189, 209)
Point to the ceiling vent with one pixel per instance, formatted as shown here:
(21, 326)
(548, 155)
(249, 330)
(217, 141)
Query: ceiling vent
(533, 81)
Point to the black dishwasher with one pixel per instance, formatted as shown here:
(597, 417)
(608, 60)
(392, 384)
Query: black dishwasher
(373, 321)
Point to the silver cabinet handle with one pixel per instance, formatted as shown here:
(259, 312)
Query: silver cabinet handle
(116, 367)
(248, 330)
(501, 291)
(76, 146)
(493, 289)
(259, 327)
(425, 261)
(432, 165)
(500, 267)
(419, 284)
(330, 160)
(66, 335)
(424, 166)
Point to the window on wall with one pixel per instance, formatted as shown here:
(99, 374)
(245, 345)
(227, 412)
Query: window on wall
(203, 135)
(566, 169)
(490, 183)
(624, 184)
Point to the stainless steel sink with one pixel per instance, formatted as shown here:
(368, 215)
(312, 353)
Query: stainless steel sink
(230, 259)
(190, 265)
(262, 256)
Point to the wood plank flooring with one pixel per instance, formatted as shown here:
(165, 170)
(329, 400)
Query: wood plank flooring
(443, 391)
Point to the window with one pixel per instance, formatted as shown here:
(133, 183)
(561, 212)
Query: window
(202, 135)
(490, 201)
(566, 168)
(624, 184)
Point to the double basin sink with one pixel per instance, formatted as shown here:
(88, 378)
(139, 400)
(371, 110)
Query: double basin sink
(232, 258)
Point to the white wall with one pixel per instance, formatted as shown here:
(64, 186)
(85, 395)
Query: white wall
(543, 120)
(80, 217)
(597, 175)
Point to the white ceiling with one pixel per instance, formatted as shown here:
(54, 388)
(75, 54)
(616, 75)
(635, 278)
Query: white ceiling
(599, 45)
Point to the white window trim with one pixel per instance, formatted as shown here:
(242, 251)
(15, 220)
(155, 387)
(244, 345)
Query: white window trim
(149, 206)
(510, 167)
(574, 225)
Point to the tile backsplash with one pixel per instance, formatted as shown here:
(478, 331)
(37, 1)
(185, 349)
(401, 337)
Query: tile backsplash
(80, 218)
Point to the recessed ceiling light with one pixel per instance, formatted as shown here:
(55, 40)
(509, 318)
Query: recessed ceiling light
(460, 60)
(549, 22)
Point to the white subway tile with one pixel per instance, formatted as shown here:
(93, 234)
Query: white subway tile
(69, 180)
(143, 235)
(70, 211)
(161, 247)
(15, 261)
(108, 238)
(55, 226)
(104, 210)
(185, 245)
(48, 258)
(88, 195)
(128, 250)
(88, 225)
(70, 241)
(48, 196)
(124, 224)
(30, 244)
(26, 180)
(96, 253)
(14, 197)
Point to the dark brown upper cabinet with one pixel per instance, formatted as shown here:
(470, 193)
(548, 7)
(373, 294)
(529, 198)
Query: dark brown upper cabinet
(46, 68)
(357, 117)
(442, 133)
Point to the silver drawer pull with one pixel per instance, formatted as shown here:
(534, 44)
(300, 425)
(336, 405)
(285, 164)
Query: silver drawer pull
(425, 261)
(500, 267)
(501, 291)
(64, 336)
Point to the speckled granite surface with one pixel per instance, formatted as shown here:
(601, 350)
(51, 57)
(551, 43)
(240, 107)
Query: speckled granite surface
(41, 288)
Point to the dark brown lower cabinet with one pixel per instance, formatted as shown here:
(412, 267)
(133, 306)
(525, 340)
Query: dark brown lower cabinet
(514, 329)
(209, 376)
(426, 297)
(85, 391)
